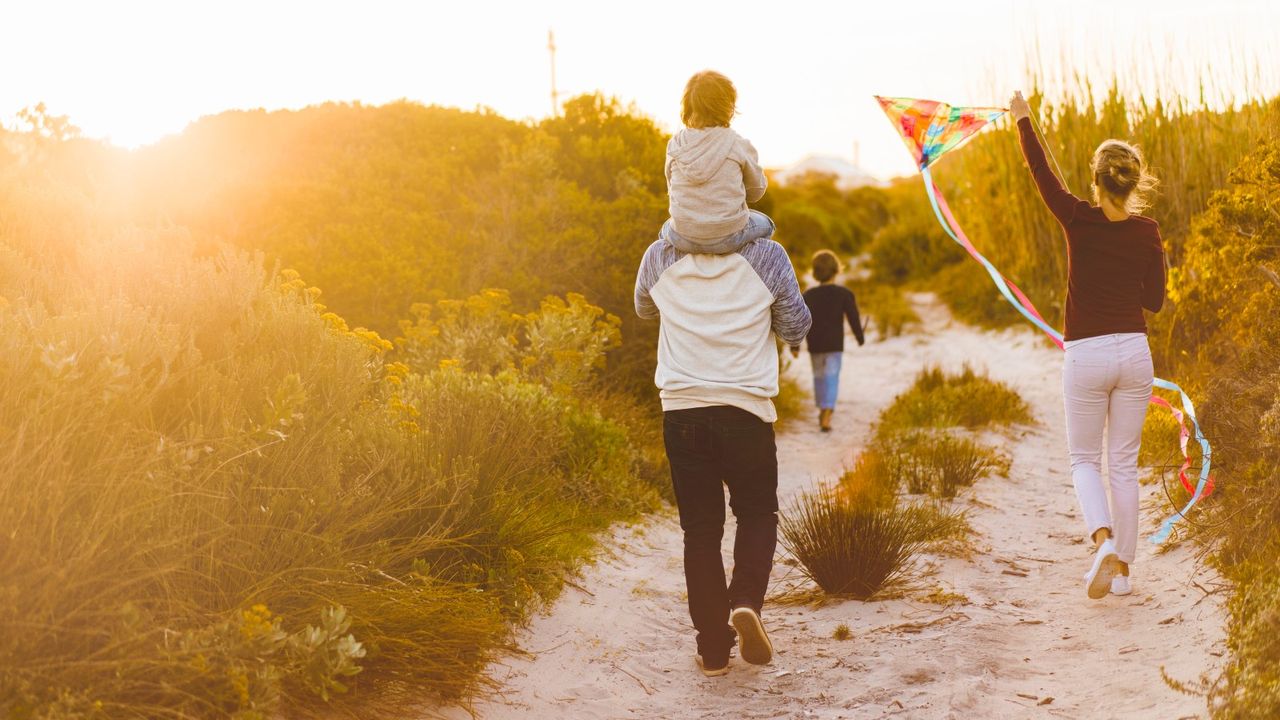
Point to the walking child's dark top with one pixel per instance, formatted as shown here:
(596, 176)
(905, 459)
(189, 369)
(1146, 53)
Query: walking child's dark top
(830, 306)
(1114, 268)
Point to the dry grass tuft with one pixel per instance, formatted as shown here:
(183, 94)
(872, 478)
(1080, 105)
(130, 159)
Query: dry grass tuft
(966, 399)
(855, 550)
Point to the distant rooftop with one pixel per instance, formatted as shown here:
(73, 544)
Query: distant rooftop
(847, 175)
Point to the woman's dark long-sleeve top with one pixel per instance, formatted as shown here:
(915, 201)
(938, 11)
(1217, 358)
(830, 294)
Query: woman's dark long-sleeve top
(1114, 268)
(830, 305)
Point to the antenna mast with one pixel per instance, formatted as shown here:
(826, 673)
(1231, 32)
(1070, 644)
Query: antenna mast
(555, 96)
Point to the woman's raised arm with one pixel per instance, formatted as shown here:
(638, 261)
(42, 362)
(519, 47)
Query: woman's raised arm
(1059, 200)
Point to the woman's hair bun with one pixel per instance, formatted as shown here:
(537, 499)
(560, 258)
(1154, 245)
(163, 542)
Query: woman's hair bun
(1124, 171)
(1118, 170)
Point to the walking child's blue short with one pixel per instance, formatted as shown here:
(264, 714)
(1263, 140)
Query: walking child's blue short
(826, 378)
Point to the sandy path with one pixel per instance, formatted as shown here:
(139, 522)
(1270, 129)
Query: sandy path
(622, 646)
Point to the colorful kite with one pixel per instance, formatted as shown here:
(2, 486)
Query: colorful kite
(931, 129)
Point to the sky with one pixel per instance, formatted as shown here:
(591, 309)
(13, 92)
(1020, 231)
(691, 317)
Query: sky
(133, 71)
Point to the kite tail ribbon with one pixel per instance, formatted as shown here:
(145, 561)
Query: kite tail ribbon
(1204, 483)
(1011, 293)
(1021, 303)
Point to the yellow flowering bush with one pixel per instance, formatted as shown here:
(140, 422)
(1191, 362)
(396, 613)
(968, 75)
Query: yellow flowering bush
(563, 344)
(478, 334)
(242, 663)
(568, 340)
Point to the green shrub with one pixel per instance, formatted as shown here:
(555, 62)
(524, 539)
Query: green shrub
(967, 399)
(967, 290)
(562, 344)
(196, 458)
(911, 245)
(1160, 449)
(888, 311)
(1220, 337)
(853, 549)
(533, 476)
(813, 214)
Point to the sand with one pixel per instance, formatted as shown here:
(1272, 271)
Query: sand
(1018, 639)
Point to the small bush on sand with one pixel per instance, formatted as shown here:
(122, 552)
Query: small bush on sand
(855, 550)
(966, 399)
(940, 463)
(937, 463)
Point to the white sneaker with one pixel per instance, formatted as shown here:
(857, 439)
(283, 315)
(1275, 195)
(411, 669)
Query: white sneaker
(1120, 585)
(753, 641)
(1106, 565)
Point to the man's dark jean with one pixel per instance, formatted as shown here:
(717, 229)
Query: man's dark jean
(709, 448)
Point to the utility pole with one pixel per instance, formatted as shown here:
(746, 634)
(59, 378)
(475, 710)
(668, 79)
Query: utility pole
(555, 96)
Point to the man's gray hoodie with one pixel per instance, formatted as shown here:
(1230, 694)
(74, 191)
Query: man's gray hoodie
(712, 173)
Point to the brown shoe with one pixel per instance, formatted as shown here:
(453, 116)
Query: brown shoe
(711, 671)
(824, 420)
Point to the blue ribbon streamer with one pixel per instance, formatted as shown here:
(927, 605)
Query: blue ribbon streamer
(1206, 461)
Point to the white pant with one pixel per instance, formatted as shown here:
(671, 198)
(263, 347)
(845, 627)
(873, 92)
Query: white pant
(1106, 382)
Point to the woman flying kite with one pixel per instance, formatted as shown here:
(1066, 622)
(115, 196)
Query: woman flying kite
(1116, 270)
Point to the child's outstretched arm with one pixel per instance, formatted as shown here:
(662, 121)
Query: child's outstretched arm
(855, 320)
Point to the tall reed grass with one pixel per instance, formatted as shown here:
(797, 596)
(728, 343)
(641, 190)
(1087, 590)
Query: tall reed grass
(1188, 144)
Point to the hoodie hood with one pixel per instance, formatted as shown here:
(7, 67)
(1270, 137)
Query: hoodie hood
(700, 152)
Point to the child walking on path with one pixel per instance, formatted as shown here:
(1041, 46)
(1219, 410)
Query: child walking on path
(1115, 269)
(831, 305)
(717, 374)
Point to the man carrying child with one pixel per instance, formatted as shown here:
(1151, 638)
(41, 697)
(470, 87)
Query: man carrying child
(723, 290)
